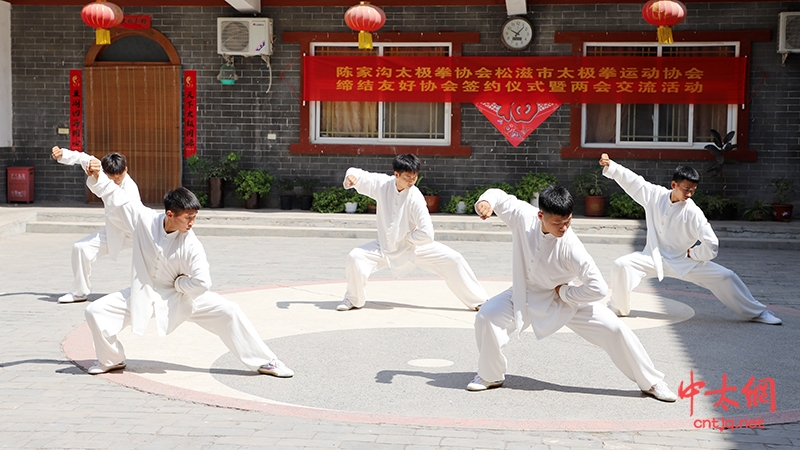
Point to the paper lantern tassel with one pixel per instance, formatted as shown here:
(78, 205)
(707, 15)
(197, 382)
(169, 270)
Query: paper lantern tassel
(665, 35)
(364, 39)
(102, 36)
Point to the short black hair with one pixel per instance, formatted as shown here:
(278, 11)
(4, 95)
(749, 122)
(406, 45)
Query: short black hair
(685, 173)
(113, 164)
(180, 200)
(556, 200)
(406, 163)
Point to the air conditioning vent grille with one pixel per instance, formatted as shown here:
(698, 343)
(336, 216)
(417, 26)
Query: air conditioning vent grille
(789, 32)
(235, 36)
(792, 32)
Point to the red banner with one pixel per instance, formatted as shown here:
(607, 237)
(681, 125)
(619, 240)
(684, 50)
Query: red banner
(76, 110)
(135, 22)
(516, 120)
(189, 113)
(558, 79)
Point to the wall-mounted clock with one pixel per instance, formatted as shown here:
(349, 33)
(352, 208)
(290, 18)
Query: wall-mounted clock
(517, 33)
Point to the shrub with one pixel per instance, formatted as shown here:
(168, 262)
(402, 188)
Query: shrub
(332, 200)
(531, 184)
(622, 205)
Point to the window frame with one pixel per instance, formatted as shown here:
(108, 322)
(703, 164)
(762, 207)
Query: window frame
(576, 149)
(315, 113)
(690, 143)
(305, 144)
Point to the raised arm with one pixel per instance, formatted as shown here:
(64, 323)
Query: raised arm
(364, 182)
(512, 211)
(117, 201)
(634, 185)
(70, 158)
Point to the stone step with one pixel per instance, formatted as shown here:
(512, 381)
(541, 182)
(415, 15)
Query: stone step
(448, 227)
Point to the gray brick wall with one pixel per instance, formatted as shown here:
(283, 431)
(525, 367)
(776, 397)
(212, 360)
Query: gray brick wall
(49, 41)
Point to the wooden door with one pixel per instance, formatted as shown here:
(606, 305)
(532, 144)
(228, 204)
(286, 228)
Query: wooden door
(135, 111)
(132, 106)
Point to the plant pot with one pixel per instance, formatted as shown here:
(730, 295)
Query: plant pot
(286, 201)
(782, 213)
(350, 207)
(372, 209)
(306, 201)
(252, 202)
(215, 193)
(461, 208)
(535, 199)
(433, 203)
(595, 205)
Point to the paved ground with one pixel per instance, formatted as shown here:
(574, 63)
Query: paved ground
(48, 402)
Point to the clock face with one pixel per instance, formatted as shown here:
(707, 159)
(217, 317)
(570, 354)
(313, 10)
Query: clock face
(517, 33)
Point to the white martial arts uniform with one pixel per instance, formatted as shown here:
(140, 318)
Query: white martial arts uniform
(171, 280)
(540, 263)
(673, 228)
(109, 241)
(405, 240)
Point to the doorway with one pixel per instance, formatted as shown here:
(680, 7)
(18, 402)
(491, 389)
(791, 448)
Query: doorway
(132, 101)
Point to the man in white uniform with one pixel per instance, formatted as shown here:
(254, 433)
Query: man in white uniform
(109, 241)
(674, 225)
(405, 237)
(555, 283)
(171, 280)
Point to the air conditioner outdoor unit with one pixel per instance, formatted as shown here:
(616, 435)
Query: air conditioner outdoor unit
(789, 32)
(243, 36)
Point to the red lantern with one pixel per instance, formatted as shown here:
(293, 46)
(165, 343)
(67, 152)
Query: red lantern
(365, 19)
(102, 15)
(664, 14)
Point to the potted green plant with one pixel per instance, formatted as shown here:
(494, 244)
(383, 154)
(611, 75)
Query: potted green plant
(757, 210)
(431, 195)
(720, 148)
(781, 208)
(307, 186)
(531, 184)
(215, 172)
(592, 185)
(251, 185)
(286, 187)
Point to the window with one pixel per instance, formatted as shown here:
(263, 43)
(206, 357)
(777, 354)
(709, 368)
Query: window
(668, 141)
(379, 123)
(656, 126)
(398, 129)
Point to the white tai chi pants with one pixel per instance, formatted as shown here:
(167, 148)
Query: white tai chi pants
(594, 322)
(434, 257)
(629, 270)
(107, 316)
(84, 253)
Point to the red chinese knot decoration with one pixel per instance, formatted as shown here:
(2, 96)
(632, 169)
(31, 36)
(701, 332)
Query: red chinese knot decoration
(664, 14)
(102, 15)
(365, 19)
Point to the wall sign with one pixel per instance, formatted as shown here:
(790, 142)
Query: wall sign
(135, 22)
(189, 113)
(76, 110)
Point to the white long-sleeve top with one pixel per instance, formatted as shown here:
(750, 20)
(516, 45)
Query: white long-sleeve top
(403, 219)
(169, 270)
(540, 262)
(672, 228)
(116, 230)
